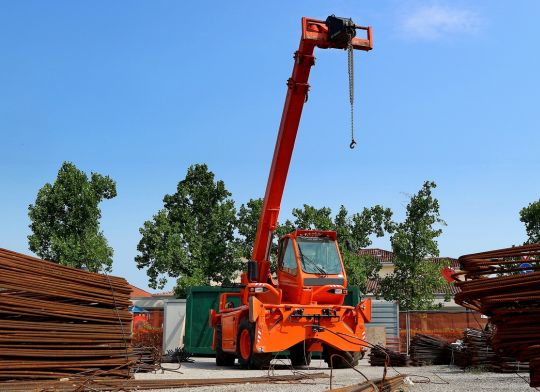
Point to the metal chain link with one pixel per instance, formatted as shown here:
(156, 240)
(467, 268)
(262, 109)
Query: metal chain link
(350, 55)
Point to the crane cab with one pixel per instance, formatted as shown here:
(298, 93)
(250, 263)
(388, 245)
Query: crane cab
(310, 268)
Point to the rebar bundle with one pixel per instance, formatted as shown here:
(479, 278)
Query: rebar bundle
(390, 384)
(57, 321)
(429, 350)
(178, 355)
(380, 355)
(476, 351)
(148, 359)
(477, 346)
(504, 284)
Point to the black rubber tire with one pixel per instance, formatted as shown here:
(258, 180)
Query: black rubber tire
(255, 360)
(222, 358)
(299, 356)
(343, 359)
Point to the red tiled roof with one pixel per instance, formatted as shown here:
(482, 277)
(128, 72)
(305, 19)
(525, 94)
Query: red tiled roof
(444, 288)
(137, 292)
(371, 285)
(453, 263)
(386, 256)
(164, 294)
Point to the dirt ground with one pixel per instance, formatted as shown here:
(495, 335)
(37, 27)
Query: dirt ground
(428, 378)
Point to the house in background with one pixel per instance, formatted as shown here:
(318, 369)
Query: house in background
(386, 258)
(447, 323)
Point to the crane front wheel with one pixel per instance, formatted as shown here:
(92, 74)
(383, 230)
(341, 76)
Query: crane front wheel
(299, 356)
(244, 348)
(341, 359)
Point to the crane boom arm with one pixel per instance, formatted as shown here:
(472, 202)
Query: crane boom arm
(333, 33)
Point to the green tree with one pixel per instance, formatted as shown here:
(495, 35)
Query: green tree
(192, 237)
(353, 233)
(530, 216)
(416, 275)
(65, 220)
(248, 219)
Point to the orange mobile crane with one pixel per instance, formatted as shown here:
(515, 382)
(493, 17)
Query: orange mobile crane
(303, 311)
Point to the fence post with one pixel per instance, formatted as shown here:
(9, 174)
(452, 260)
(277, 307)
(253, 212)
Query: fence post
(408, 330)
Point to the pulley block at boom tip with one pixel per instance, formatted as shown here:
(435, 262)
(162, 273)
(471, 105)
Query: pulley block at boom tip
(341, 32)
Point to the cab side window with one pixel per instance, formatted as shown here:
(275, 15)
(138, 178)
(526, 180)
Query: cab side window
(287, 262)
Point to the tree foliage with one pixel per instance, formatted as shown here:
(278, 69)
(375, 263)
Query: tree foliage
(65, 220)
(415, 276)
(248, 219)
(192, 238)
(530, 216)
(353, 232)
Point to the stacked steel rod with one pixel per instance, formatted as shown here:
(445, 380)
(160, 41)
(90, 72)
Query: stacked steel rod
(498, 285)
(390, 384)
(429, 350)
(57, 321)
(379, 356)
(148, 359)
(476, 350)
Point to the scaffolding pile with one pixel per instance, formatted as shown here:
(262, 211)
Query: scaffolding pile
(59, 322)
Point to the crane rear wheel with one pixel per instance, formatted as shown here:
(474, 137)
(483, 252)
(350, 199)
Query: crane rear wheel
(222, 358)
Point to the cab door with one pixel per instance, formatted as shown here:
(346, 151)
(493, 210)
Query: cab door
(288, 275)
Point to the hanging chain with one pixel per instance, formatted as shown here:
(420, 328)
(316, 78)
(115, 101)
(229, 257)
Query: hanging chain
(350, 64)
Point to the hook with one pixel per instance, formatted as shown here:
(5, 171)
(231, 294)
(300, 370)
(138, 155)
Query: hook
(353, 143)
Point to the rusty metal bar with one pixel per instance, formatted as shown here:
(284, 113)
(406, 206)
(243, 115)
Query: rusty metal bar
(57, 321)
(496, 284)
(389, 384)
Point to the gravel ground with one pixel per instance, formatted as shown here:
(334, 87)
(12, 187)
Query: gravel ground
(436, 378)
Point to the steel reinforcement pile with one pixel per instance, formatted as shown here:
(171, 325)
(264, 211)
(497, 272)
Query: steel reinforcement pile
(429, 350)
(58, 322)
(505, 285)
(381, 356)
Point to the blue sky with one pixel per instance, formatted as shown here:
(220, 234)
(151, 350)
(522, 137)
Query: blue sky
(140, 90)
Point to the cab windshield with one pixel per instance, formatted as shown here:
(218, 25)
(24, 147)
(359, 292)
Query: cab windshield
(318, 255)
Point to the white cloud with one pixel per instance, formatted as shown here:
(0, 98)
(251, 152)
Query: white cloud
(437, 21)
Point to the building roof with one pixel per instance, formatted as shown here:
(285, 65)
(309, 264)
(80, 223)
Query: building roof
(454, 263)
(387, 257)
(169, 293)
(384, 256)
(137, 292)
(444, 288)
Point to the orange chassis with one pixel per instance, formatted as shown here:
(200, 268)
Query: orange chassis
(280, 326)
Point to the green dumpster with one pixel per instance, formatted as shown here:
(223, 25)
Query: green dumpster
(198, 335)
